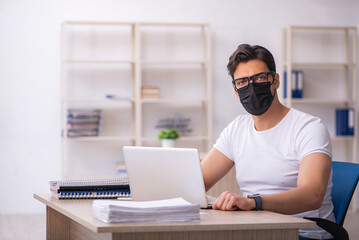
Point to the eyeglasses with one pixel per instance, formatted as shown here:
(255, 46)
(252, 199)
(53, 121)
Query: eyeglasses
(243, 82)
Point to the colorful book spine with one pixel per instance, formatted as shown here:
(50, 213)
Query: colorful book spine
(345, 121)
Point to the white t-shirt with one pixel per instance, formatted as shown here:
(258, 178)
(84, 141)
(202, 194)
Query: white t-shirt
(267, 162)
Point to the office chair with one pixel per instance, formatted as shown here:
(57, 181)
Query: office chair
(345, 180)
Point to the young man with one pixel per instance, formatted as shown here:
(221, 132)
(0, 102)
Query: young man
(282, 156)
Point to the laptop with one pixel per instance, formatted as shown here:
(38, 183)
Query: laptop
(156, 173)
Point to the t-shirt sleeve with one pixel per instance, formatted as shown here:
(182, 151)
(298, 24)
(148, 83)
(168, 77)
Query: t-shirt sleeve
(223, 143)
(313, 137)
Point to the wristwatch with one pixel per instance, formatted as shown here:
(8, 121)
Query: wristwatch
(257, 198)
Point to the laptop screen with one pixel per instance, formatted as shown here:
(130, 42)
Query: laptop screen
(157, 173)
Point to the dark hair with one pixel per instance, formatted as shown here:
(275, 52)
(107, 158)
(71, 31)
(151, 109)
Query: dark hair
(245, 53)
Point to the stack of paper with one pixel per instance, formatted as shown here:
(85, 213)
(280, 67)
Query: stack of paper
(168, 210)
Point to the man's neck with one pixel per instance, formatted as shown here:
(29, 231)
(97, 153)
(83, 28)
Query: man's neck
(271, 117)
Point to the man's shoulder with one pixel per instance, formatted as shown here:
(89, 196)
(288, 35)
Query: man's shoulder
(302, 116)
(243, 117)
(240, 121)
(302, 120)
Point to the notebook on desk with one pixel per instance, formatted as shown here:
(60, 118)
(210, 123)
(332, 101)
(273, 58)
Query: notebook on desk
(156, 173)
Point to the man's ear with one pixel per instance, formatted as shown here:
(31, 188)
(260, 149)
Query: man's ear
(276, 81)
(235, 92)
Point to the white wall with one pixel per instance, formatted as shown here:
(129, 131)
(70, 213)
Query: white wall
(30, 68)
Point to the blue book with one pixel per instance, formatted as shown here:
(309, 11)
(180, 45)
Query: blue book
(297, 84)
(344, 121)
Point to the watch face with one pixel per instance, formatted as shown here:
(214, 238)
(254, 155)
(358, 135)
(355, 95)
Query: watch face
(254, 195)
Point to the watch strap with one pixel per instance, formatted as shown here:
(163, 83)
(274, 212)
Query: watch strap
(258, 200)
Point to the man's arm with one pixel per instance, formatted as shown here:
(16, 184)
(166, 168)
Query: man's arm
(314, 173)
(214, 166)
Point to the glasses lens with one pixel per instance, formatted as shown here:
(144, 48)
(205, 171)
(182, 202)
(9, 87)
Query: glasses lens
(260, 78)
(241, 82)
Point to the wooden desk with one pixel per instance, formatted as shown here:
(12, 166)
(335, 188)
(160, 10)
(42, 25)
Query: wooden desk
(72, 219)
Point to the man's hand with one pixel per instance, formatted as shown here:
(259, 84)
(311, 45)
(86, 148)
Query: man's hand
(229, 201)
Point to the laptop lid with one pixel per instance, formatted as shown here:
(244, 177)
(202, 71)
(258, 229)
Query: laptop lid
(156, 173)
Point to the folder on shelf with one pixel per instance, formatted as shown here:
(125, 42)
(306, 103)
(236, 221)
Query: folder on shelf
(297, 84)
(90, 188)
(345, 121)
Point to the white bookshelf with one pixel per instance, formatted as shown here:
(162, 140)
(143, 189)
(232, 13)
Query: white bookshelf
(328, 58)
(100, 58)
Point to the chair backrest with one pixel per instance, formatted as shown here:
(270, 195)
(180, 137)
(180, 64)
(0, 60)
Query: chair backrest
(345, 179)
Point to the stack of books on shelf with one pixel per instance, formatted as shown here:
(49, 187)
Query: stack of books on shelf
(91, 188)
(168, 210)
(83, 122)
(178, 122)
(150, 92)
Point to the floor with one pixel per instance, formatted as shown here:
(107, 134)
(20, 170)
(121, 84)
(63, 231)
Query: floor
(18, 226)
(14, 227)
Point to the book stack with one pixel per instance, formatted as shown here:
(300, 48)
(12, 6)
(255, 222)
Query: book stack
(91, 188)
(168, 210)
(83, 122)
(176, 122)
(150, 92)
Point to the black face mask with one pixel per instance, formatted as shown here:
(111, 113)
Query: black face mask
(256, 98)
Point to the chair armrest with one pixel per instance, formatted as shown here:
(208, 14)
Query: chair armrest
(337, 231)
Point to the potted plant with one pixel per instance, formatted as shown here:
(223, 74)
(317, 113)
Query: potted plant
(168, 137)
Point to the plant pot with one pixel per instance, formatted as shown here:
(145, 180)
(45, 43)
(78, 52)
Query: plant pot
(168, 143)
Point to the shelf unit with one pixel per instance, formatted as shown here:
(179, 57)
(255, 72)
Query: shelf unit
(100, 58)
(328, 58)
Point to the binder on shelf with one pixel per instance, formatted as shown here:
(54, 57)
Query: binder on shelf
(91, 188)
(345, 121)
(297, 84)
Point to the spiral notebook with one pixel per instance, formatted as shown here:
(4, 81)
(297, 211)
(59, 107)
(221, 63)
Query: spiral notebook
(109, 188)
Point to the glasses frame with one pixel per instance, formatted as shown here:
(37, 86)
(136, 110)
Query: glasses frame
(252, 78)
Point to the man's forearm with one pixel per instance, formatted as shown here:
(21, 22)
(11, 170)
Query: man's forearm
(292, 201)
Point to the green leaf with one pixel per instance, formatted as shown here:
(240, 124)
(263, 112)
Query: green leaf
(168, 134)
